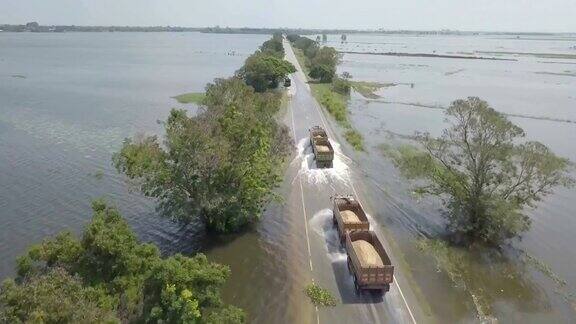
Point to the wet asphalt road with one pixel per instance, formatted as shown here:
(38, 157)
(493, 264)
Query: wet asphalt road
(318, 250)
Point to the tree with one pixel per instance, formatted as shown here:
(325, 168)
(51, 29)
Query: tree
(273, 46)
(262, 71)
(220, 165)
(108, 276)
(326, 56)
(53, 297)
(341, 86)
(293, 37)
(485, 172)
(322, 72)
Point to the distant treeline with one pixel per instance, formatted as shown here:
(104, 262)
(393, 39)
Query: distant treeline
(35, 27)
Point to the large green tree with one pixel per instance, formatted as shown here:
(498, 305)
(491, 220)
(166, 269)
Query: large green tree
(107, 276)
(323, 73)
(52, 297)
(322, 61)
(273, 46)
(220, 165)
(487, 174)
(262, 71)
(327, 56)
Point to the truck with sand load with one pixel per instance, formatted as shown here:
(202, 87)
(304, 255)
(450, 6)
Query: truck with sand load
(348, 216)
(323, 151)
(368, 262)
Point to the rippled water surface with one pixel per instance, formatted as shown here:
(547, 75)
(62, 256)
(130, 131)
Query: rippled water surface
(536, 88)
(66, 103)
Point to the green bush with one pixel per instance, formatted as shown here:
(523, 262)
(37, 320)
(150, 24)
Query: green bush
(262, 71)
(320, 296)
(341, 86)
(323, 73)
(355, 139)
(333, 102)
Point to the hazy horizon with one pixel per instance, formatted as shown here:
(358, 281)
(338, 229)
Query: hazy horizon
(488, 15)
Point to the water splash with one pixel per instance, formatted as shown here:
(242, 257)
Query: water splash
(314, 175)
(321, 223)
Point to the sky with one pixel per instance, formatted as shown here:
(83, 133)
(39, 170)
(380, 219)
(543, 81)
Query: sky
(473, 15)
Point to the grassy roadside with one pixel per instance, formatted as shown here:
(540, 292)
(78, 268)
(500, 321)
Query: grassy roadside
(335, 103)
(302, 60)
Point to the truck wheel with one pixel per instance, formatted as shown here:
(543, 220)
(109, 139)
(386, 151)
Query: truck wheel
(386, 288)
(356, 286)
(350, 266)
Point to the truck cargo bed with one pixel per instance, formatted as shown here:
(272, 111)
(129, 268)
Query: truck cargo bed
(368, 261)
(348, 216)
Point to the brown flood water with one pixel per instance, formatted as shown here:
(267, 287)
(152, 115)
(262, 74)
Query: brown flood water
(59, 127)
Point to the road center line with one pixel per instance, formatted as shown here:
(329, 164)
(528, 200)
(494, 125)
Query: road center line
(304, 215)
(324, 123)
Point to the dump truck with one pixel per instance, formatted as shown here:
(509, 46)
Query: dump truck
(348, 216)
(368, 262)
(323, 151)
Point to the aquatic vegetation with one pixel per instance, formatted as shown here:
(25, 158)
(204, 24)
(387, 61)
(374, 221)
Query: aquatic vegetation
(320, 296)
(355, 139)
(191, 97)
(565, 73)
(341, 86)
(544, 269)
(440, 107)
(485, 274)
(368, 89)
(538, 55)
(98, 175)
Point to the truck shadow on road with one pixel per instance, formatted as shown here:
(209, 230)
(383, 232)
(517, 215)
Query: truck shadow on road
(345, 283)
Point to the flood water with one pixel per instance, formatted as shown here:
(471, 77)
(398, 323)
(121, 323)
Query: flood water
(68, 100)
(66, 103)
(538, 91)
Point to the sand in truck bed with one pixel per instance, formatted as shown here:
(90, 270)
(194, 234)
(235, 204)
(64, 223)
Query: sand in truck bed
(349, 217)
(367, 254)
(322, 148)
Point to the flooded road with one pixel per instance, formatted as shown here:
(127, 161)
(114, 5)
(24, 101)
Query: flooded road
(310, 199)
